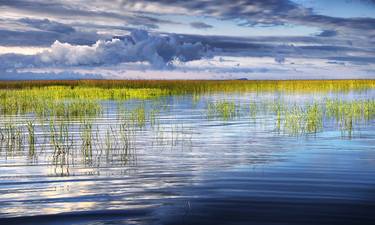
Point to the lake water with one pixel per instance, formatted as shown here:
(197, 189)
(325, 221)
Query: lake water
(187, 168)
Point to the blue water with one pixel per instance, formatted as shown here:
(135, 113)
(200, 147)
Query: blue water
(191, 170)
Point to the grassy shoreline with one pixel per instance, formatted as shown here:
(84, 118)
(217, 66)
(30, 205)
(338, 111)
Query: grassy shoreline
(203, 86)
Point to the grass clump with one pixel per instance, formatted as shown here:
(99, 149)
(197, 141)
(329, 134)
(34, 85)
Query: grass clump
(222, 109)
(347, 113)
(31, 138)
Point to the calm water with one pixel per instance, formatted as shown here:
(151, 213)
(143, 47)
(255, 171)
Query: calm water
(187, 169)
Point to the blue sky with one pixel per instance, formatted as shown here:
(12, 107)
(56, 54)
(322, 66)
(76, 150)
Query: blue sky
(197, 39)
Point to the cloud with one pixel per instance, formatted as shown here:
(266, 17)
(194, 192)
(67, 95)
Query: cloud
(327, 33)
(79, 10)
(47, 25)
(46, 38)
(280, 59)
(200, 25)
(14, 75)
(140, 46)
(258, 12)
(43, 32)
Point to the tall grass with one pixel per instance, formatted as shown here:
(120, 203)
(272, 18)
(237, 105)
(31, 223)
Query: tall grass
(31, 138)
(66, 101)
(61, 102)
(203, 86)
(347, 113)
(222, 109)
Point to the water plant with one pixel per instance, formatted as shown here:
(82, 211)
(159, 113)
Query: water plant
(138, 116)
(62, 141)
(314, 118)
(152, 88)
(31, 138)
(347, 113)
(223, 109)
(86, 136)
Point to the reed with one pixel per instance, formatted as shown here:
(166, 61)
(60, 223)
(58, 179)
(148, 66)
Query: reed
(71, 108)
(222, 109)
(31, 138)
(87, 139)
(138, 116)
(62, 141)
(347, 113)
(173, 87)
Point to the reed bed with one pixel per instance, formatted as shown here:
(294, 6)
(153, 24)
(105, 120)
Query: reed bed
(222, 109)
(299, 119)
(62, 116)
(174, 87)
(66, 101)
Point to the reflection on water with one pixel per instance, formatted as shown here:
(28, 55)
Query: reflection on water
(190, 160)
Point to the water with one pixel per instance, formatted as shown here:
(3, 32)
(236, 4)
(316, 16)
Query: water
(189, 169)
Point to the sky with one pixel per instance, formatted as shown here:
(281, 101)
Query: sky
(195, 39)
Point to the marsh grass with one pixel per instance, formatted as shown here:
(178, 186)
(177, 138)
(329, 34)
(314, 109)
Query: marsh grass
(174, 87)
(12, 138)
(87, 140)
(314, 118)
(62, 141)
(296, 120)
(65, 101)
(303, 120)
(138, 116)
(31, 138)
(348, 113)
(66, 114)
(224, 109)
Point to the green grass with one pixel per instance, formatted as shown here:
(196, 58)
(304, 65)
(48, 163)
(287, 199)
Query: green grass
(347, 113)
(60, 103)
(82, 98)
(31, 138)
(173, 87)
(66, 101)
(222, 109)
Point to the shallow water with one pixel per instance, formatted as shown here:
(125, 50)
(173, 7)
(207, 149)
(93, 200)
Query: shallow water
(190, 169)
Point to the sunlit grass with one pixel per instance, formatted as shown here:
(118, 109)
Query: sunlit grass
(347, 113)
(66, 101)
(201, 86)
(71, 108)
(221, 109)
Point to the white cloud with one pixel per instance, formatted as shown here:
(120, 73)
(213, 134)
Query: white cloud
(139, 46)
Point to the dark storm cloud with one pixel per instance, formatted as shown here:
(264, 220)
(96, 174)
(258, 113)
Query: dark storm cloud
(200, 25)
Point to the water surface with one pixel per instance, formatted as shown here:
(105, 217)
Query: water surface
(187, 168)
